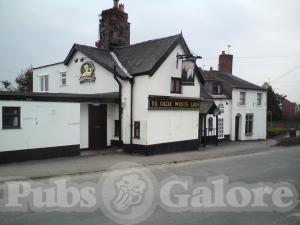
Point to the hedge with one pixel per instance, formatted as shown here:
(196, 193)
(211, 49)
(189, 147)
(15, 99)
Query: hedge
(273, 132)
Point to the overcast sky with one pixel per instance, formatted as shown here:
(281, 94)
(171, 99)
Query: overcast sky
(264, 34)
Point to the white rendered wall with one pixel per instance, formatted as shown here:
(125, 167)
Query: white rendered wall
(43, 124)
(163, 126)
(260, 112)
(226, 116)
(53, 72)
(84, 126)
(104, 83)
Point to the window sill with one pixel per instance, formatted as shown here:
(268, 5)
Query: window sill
(137, 138)
(250, 134)
(63, 85)
(11, 128)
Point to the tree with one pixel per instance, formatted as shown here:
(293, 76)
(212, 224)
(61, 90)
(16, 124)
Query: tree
(273, 105)
(7, 86)
(24, 80)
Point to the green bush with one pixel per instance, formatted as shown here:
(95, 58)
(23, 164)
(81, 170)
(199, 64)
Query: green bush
(273, 132)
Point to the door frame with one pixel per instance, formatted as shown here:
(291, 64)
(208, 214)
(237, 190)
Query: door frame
(237, 130)
(91, 130)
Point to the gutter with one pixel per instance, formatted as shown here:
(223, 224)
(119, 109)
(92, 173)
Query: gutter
(131, 109)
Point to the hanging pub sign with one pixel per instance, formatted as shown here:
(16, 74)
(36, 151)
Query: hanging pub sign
(163, 102)
(188, 72)
(87, 71)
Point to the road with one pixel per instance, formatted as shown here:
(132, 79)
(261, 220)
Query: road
(281, 165)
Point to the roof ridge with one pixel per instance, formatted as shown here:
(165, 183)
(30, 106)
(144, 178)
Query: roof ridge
(148, 41)
(221, 74)
(91, 47)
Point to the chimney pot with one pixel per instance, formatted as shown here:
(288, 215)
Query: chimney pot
(116, 3)
(223, 52)
(211, 68)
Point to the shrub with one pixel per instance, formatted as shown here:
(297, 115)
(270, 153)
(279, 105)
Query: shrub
(289, 141)
(273, 132)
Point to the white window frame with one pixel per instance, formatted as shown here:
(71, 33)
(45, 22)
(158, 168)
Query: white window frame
(259, 99)
(249, 121)
(242, 102)
(44, 86)
(220, 128)
(63, 78)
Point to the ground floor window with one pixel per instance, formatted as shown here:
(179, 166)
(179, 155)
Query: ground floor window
(11, 118)
(117, 128)
(249, 124)
(137, 129)
(210, 123)
(220, 128)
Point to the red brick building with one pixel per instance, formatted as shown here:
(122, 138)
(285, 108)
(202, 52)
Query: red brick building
(288, 109)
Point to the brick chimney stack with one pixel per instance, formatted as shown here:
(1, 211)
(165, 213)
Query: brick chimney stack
(114, 29)
(225, 63)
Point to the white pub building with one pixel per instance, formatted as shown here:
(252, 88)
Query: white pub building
(143, 97)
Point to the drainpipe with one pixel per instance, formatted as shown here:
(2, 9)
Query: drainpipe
(131, 109)
(120, 104)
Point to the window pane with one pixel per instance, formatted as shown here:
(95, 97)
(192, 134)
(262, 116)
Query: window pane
(259, 98)
(117, 128)
(173, 85)
(46, 83)
(10, 117)
(249, 124)
(178, 86)
(42, 84)
(63, 78)
(242, 98)
(137, 129)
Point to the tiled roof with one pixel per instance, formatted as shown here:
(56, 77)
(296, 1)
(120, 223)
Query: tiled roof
(204, 93)
(138, 59)
(100, 56)
(231, 80)
(146, 57)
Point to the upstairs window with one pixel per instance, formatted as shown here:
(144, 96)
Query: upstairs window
(176, 85)
(242, 98)
(216, 88)
(259, 99)
(249, 124)
(44, 81)
(11, 118)
(63, 77)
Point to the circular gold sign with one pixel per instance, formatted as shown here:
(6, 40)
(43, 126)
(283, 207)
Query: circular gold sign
(87, 69)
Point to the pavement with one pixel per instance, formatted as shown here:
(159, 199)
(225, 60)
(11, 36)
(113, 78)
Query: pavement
(48, 168)
(280, 165)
